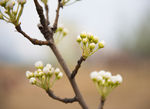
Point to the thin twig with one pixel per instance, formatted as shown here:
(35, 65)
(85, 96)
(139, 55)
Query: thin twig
(32, 40)
(77, 67)
(47, 15)
(102, 101)
(48, 34)
(57, 15)
(64, 100)
(40, 13)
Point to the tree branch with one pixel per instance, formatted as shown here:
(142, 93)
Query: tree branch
(40, 13)
(57, 15)
(47, 15)
(64, 100)
(32, 40)
(102, 101)
(77, 67)
(47, 32)
(72, 81)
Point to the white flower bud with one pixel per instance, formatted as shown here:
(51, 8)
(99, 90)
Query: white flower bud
(79, 39)
(21, 1)
(99, 78)
(10, 4)
(36, 74)
(49, 66)
(57, 71)
(94, 75)
(90, 36)
(46, 70)
(95, 39)
(39, 65)
(60, 75)
(32, 80)
(83, 35)
(41, 73)
(52, 70)
(29, 74)
(102, 73)
(85, 41)
(101, 44)
(107, 75)
(92, 46)
(119, 78)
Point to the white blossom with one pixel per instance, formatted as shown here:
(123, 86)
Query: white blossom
(57, 71)
(107, 75)
(92, 46)
(119, 78)
(49, 66)
(41, 73)
(29, 74)
(60, 75)
(39, 64)
(46, 70)
(32, 80)
(102, 73)
(94, 75)
(36, 74)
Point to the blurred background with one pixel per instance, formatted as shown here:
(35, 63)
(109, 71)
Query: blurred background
(125, 27)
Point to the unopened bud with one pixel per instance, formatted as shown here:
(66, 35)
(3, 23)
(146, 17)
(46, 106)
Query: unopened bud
(85, 41)
(60, 75)
(83, 35)
(92, 46)
(79, 39)
(32, 80)
(101, 44)
(95, 40)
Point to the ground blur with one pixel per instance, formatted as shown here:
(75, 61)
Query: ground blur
(133, 93)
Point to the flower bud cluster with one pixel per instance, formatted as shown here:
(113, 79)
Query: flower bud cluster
(44, 76)
(105, 82)
(11, 14)
(89, 44)
(61, 32)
